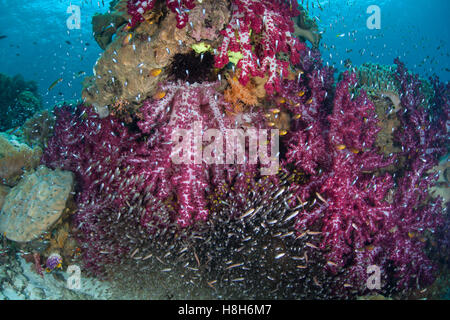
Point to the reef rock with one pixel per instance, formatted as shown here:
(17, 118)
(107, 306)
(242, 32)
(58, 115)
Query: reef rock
(104, 27)
(35, 204)
(3, 192)
(16, 157)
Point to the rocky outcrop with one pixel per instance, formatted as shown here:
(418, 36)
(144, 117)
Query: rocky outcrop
(35, 204)
(16, 158)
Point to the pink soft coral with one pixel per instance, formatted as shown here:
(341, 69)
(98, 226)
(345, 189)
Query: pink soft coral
(137, 8)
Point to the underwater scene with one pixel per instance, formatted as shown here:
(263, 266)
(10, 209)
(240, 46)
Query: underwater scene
(224, 150)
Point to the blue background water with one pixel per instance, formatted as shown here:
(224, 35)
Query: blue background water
(36, 30)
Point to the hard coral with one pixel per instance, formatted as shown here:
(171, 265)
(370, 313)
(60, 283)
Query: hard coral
(16, 158)
(37, 129)
(125, 69)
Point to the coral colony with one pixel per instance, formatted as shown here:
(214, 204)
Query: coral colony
(337, 205)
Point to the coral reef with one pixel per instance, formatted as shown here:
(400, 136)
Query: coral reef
(137, 10)
(19, 100)
(16, 158)
(35, 204)
(343, 201)
(126, 70)
(356, 157)
(115, 166)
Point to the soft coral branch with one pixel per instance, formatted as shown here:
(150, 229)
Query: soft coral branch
(137, 9)
(271, 20)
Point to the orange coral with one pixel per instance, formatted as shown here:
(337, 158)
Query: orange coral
(123, 110)
(240, 96)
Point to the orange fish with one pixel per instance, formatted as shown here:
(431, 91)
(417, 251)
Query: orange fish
(127, 39)
(275, 110)
(159, 95)
(155, 72)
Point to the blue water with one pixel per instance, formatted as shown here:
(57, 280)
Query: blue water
(36, 44)
(36, 47)
(416, 31)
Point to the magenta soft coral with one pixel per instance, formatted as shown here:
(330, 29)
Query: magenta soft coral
(307, 101)
(359, 226)
(102, 154)
(120, 170)
(353, 122)
(351, 202)
(181, 108)
(424, 128)
(188, 179)
(272, 20)
(137, 8)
